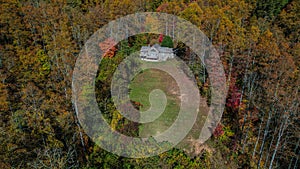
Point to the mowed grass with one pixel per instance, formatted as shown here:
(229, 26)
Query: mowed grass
(140, 88)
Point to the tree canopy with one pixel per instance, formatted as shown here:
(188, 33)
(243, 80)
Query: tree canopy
(257, 40)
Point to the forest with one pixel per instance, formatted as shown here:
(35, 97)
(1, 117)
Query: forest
(258, 42)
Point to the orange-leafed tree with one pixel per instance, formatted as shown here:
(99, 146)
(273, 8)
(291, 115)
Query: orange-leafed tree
(108, 47)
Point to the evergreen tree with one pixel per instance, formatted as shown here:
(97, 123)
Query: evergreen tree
(167, 42)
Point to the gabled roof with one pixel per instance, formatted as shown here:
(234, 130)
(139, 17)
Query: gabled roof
(157, 47)
(144, 48)
(165, 50)
(152, 56)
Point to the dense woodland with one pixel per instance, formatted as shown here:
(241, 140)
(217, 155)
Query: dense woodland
(259, 45)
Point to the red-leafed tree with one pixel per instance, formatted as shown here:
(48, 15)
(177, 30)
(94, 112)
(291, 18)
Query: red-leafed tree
(108, 47)
(161, 38)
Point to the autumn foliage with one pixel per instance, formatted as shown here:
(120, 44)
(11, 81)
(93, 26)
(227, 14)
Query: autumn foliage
(258, 42)
(108, 47)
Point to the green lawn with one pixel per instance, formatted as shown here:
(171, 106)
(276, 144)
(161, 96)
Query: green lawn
(151, 79)
(140, 88)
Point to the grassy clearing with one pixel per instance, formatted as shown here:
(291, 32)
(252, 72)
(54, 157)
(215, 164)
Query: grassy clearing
(151, 79)
(142, 85)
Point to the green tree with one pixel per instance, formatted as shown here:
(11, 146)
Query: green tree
(167, 42)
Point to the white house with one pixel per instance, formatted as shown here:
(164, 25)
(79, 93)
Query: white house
(156, 53)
